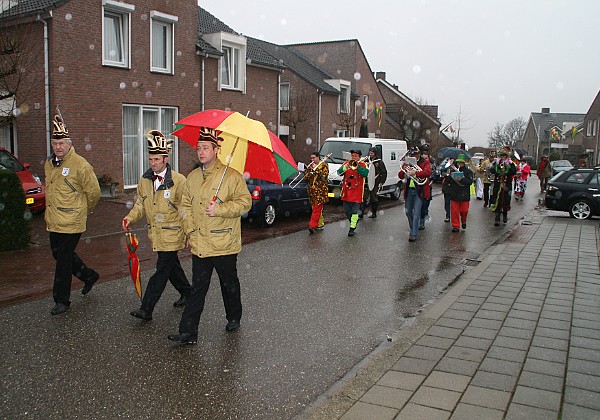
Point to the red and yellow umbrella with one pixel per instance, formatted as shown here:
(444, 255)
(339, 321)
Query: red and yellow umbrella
(134, 263)
(248, 147)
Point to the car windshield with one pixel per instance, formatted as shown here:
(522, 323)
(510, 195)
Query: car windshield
(562, 163)
(337, 147)
(7, 161)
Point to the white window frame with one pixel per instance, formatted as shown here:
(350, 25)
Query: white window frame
(365, 108)
(344, 99)
(166, 23)
(122, 12)
(284, 96)
(341, 133)
(135, 137)
(228, 42)
(230, 65)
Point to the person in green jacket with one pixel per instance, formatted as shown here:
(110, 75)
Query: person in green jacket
(159, 193)
(213, 227)
(72, 192)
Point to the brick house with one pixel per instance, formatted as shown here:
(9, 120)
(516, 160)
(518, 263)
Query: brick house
(545, 134)
(118, 69)
(359, 93)
(406, 120)
(590, 131)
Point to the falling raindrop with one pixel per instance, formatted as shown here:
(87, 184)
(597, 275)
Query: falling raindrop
(357, 76)
(17, 112)
(196, 84)
(27, 215)
(68, 17)
(179, 53)
(501, 98)
(428, 132)
(560, 85)
(122, 85)
(148, 94)
(88, 240)
(416, 69)
(2, 206)
(129, 204)
(258, 112)
(92, 47)
(246, 175)
(61, 69)
(308, 141)
(478, 52)
(158, 84)
(134, 84)
(416, 124)
(88, 147)
(144, 16)
(283, 22)
(183, 74)
(304, 259)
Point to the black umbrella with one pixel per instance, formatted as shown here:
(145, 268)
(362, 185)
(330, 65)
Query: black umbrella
(517, 151)
(452, 153)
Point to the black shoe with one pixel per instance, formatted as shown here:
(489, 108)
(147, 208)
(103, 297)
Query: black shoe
(447, 219)
(412, 238)
(184, 338)
(485, 204)
(497, 223)
(464, 225)
(455, 230)
(360, 216)
(59, 308)
(179, 303)
(373, 215)
(505, 218)
(141, 314)
(232, 325)
(311, 230)
(351, 232)
(421, 227)
(87, 288)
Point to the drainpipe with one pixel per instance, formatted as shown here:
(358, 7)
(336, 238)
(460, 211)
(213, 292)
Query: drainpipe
(597, 138)
(537, 147)
(279, 102)
(202, 82)
(320, 94)
(46, 84)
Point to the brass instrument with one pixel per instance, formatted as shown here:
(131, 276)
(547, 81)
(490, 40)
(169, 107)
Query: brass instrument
(409, 167)
(310, 167)
(353, 164)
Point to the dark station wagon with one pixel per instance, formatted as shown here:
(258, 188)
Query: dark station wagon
(576, 191)
(273, 201)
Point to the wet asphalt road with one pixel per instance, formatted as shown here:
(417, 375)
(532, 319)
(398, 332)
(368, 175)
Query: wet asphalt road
(314, 307)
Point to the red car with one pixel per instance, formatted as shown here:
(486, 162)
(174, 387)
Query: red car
(35, 190)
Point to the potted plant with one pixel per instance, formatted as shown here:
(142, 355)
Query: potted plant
(108, 187)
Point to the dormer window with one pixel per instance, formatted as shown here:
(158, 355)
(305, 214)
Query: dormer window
(344, 99)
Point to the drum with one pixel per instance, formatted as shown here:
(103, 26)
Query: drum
(371, 177)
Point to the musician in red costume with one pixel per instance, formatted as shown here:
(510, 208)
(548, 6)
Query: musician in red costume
(354, 171)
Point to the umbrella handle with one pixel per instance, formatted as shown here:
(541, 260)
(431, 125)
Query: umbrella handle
(216, 199)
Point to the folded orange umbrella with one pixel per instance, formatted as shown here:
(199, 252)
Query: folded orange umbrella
(134, 262)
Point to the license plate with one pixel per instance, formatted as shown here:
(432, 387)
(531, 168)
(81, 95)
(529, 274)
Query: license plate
(29, 201)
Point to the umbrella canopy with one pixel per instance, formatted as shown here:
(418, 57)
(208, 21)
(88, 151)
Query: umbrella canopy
(134, 263)
(519, 151)
(247, 146)
(452, 153)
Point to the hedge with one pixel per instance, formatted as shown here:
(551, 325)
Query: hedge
(15, 217)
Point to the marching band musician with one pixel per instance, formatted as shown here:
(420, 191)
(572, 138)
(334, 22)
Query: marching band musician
(427, 196)
(503, 170)
(354, 171)
(380, 177)
(477, 168)
(523, 172)
(413, 192)
(316, 175)
(486, 165)
(459, 191)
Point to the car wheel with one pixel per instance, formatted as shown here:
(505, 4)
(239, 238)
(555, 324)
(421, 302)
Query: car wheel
(580, 209)
(269, 215)
(395, 195)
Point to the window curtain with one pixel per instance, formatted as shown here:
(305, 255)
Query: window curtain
(131, 149)
(113, 38)
(159, 45)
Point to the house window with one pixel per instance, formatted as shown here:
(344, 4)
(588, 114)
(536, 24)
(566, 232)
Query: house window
(344, 104)
(116, 26)
(342, 133)
(284, 96)
(591, 128)
(365, 107)
(230, 68)
(161, 39)
(137, 121)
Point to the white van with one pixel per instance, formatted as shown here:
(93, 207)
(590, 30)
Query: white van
(391, 151)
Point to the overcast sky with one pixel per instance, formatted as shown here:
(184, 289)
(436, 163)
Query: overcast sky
(495, 60)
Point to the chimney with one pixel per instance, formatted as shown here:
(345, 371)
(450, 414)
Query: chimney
(545, 110)
(380, 75)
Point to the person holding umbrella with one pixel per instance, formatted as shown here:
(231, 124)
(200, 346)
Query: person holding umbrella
(460, 193)
(214, 198)
(159, 193)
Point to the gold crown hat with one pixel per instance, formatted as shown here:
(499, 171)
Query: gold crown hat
(211, 135)
(59, 130)
(158, 144)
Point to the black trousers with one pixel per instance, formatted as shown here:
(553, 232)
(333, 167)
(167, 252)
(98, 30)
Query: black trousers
(168, 268)
(202, 269)
(486, 193)
(68, 264)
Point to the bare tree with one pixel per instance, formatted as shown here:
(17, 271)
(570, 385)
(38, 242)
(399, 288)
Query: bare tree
(508, 134)
(301, 109)
(461, 125)
(347, 121)
(20, 69)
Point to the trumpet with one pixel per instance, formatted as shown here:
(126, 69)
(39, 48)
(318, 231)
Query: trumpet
(353, 164)
(310, 167)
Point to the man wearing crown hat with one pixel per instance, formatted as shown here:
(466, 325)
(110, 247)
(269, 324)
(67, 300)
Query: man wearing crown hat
(72, 192)
(159, 194)
(213, 227)
(503, 170)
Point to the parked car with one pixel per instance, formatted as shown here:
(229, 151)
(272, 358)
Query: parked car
(560, 165)
(575, 191)
(272, 201)
(35, 190)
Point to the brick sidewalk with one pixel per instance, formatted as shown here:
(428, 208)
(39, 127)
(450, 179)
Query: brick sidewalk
(516, 337)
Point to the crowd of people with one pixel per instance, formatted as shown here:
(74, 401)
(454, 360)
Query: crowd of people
(203, 212)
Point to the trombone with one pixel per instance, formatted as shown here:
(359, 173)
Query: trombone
(353, 164)
(310, 167)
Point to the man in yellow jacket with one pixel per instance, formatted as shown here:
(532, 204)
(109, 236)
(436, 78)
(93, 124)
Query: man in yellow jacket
(72, 192)
(213, 227)
(159, 194)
